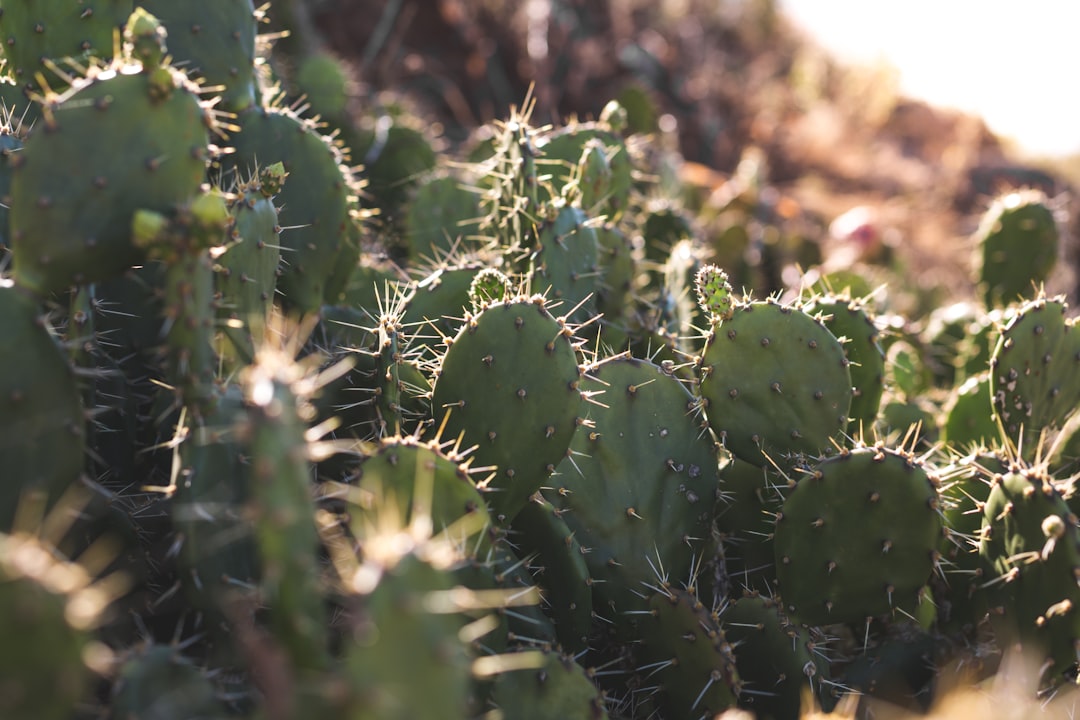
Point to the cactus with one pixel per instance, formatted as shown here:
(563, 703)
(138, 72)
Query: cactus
(556, 686)
(1033, 372)
(851, 319)
(72, 201)
(40, 35)
(315, 202)
(41, 410)
(753, 370)
(183, 244)
(564, 267)
(857, 537)
(1031, 542)
(684, 645)
(442, 212)
(510, 386)
(157, 683)
(639, 487)
(247, 269)
(540, 534)
(215, 43)
(275, 390)
(777, 660)
(50, 606)
(1017, 242)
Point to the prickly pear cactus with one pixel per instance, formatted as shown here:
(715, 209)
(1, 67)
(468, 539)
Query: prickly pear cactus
(413, 478)
(37, 33)
(565, 266)
(857, 537)
(510, 385)
(1031, 541)
(639, 487)
(314, 203)
(1034, 381)
(49, 606)
(217, 553)
(73, 200)
(684, 644)
(775, 382)
(852, 320)
(158, 683)
(777, 660)
(282, 511)
(554, 686)
(215, 43)
(1018, 242)
(247, 270)
(540, 533)
(42, 434)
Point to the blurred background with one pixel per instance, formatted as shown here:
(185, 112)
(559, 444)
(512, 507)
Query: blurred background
(914, 114)
(995, 58)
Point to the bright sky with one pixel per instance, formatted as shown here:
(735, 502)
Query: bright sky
(1015, 63)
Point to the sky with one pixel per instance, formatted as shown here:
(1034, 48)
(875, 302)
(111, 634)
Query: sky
(1015, 63)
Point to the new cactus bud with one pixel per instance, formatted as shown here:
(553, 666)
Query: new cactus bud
(714, 293)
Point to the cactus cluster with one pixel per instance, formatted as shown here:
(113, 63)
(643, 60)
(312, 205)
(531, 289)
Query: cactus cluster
(362, 427)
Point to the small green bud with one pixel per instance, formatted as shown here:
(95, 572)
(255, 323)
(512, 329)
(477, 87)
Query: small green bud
(272, 178)
(148, 228)
(145, 38)
(614, 115)
(489, 286)
(714, 293)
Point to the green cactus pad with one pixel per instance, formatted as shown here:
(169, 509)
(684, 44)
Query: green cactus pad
(413, 477)
(557, 687)
(407, 630)
(246, 277)
(639, 487)
(852, 320)
(218, 553)
(509, 384)
(1033, 372)
(214, 42)
(35, 32)
(540, 533)
(1031, 542)
(561, 155)
(617, 272)
(565, 266)
(968, 414)
(282, 509)
(857, 537)
(441, 212)
(1018, 242)
(776, 659)
(72, 200)
(43, 673)
(314, 202)
(775, 382)
(157, 683)
(684, 644)
(751, 497)
(42, 435)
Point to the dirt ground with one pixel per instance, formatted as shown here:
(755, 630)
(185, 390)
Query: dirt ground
(732, 74)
